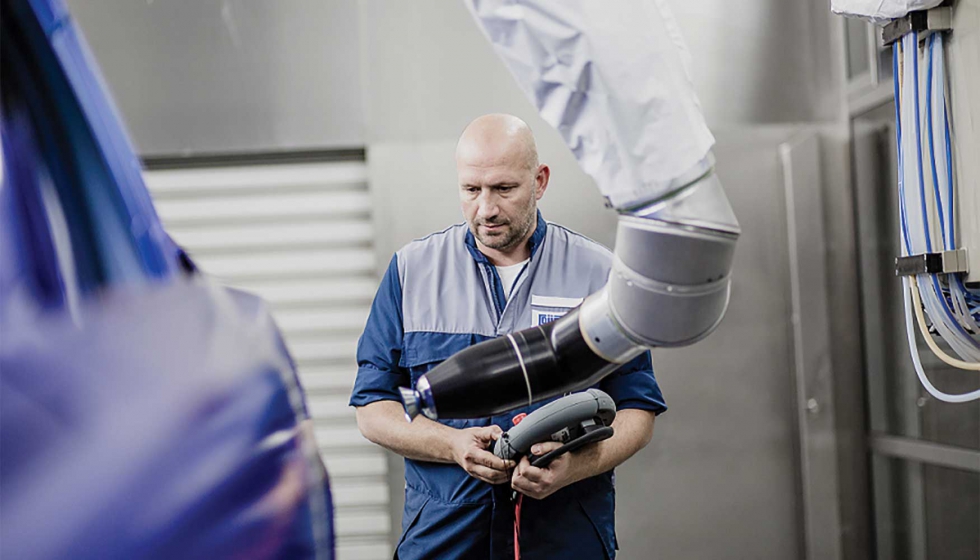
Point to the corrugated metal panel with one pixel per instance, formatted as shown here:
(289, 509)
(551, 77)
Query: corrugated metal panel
(244, 208)
(355, 464)
(316, 176)
(318, 291)
(265, 236)
(316, 349)
(296, 263)
(363, 524)
(300, 236)
(338, 439)
(363, 552)
(329, 378)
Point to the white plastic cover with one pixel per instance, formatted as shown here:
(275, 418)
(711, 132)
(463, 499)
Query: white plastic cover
(613, 77)
(880, 10)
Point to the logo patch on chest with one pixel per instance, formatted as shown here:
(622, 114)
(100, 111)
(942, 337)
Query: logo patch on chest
(545, 309)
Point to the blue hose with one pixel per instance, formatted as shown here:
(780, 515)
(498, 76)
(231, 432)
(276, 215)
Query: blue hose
(949, 173)
(932, 145)
(949, 164)
(901, 162)
(918, 142)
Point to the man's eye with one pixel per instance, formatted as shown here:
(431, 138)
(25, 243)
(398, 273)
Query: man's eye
(504, 190)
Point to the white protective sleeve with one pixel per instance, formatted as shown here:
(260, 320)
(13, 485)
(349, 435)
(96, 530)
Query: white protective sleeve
(613, 77)
(880, 10)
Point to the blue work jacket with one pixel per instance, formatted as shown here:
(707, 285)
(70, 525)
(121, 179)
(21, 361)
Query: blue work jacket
(440, 295)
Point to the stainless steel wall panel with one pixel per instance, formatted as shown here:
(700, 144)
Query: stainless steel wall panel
(230, 76)
(964, 106)
(812, 360)
(720, 479)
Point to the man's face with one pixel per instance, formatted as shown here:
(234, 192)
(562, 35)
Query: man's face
(499, 199)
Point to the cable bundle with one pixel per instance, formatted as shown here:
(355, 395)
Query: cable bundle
(928, 220)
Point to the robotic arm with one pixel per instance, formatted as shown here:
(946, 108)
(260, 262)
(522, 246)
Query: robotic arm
(613, 79)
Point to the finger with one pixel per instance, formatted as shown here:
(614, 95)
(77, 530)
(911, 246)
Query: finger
(524, 486)
(544, 447)
(533, 474)
(523, 465)
(481, 473)
(536, 475)
(530, 488)
(488, 432)
(490, 460)
(487, 475)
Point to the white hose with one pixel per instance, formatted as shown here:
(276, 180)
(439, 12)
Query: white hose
(959, 364)
(960, 298)
(947, 328)
(913, 350)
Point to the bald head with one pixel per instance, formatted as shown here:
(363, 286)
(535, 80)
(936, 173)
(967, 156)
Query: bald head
(497, 139)
(500, 183)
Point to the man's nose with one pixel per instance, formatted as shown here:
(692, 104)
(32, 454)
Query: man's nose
(488, 205)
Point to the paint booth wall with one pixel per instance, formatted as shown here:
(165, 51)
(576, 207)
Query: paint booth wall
(228, 76)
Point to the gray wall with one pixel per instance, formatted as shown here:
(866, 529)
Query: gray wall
(427, 72)
(230, 76)
(964, 59)
(719, 478)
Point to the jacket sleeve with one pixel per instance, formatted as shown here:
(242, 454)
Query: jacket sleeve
(634, 386)
(380, 347)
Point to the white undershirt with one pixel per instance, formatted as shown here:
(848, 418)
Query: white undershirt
(508, 274)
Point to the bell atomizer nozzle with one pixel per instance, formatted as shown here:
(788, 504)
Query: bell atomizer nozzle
(510, 371)
(418, 400)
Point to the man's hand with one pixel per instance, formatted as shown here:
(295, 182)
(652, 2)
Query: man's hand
(470, 452)
(539, 483)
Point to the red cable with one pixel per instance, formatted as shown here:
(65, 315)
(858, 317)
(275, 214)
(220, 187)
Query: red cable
(517, 527)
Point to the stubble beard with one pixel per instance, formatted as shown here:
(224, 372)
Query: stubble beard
(509, 238)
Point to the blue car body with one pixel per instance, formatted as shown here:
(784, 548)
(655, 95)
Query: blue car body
(145, 412)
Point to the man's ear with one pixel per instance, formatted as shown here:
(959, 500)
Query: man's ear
(541, 180)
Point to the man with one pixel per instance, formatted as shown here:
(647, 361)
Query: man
(502, 271)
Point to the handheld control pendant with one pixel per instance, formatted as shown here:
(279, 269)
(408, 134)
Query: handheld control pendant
(574, 421)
